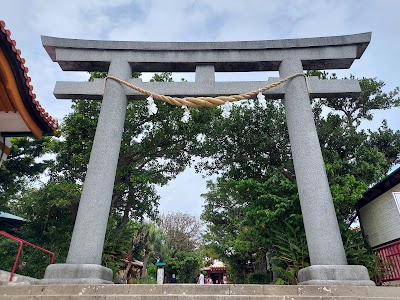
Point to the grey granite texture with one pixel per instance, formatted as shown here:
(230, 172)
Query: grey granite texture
(205, 73)
(196, 292)
(322, 231)
(316, 54)
(335, 275)
(91, 222)
(94, 207)
(18, 279)
(77, 274)
(94, 90)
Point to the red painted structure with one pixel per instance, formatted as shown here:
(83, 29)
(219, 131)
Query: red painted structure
(390, 255)
(21, 243)
(217, 271)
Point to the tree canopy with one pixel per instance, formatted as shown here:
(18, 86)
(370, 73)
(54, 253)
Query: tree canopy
(252, 211)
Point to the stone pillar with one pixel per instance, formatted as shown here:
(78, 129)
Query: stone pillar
(323, 236)
(86, 248)
(160, 276)
(205, 73)
(328, 259)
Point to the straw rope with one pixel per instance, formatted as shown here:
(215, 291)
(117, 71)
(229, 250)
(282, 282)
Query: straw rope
(206, 101)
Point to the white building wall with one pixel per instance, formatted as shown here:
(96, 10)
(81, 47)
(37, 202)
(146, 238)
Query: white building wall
(380, 218)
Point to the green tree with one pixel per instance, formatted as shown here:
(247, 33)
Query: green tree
(241, 215)
(246, 146)
(182, 232)
(290, 253)
(147, 240)
(251, 143)
(185, 265)
(50, 211)
(22, 167)
(181, 246)
(154, 150)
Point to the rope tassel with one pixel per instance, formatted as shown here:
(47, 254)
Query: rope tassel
(151, 106)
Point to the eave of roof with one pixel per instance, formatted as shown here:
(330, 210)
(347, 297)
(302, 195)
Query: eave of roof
(40, 117)
(135, 263)
(380, 188)
(8, 216)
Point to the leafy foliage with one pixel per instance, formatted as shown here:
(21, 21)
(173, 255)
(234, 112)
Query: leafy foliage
(247, 151)
(251, 210)
(117, 242)
(290, 252)
(8, 251)
(180, 247)
(22, 167)
(251, 143)
(154, 150)
(259, 278)
(185, 265)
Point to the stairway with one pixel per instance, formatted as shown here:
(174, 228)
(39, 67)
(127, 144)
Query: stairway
(195, 292)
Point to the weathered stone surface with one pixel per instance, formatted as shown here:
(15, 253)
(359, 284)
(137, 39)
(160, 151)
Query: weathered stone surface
(191, 289)
(94, 90)
(270, 289)
(316, 53)
(77, 273)
(386, 291)
(242, 289)
(91, 222)
(335, 275)
(130, 289)
(5, 278)
(94, 207)
(196, 292)
(319, 217)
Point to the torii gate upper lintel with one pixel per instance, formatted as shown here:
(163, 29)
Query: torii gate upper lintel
(119, 59)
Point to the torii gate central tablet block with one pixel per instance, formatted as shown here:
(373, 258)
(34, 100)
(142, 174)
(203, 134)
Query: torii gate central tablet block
(120, 59)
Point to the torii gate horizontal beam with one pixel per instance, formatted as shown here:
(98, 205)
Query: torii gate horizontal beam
(94, 90)
(320, 53)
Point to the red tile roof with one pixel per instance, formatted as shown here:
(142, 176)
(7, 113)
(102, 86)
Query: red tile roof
(51, 123)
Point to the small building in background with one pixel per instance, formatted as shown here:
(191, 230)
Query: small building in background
(379, 215)
(217, 271)
(130, 271)
(20, 113)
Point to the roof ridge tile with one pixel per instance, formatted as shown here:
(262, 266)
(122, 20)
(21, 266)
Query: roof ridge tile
(51, 122)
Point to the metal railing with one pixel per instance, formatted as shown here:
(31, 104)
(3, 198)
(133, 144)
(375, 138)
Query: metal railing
(21, 243)
(390, 255)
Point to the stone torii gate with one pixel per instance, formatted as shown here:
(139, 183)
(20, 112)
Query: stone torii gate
(328, 260)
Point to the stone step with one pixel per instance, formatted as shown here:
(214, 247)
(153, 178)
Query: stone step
(193, 291)
(187, 297)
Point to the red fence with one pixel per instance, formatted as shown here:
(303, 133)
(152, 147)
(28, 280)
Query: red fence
(21, 243)
(390, 254)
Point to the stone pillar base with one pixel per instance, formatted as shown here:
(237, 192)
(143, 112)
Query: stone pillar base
(77, 274)
(334, 275)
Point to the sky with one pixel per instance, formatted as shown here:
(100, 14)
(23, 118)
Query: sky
(202, 20)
